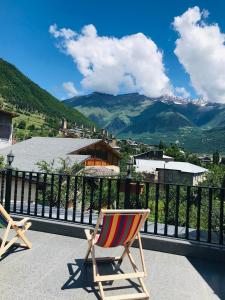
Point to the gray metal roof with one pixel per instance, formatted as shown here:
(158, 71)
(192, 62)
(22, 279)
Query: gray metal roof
(147, 165)
(36, 149)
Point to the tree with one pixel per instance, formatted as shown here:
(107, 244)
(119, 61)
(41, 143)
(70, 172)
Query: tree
(22, 124)
(2, 100)
(216, 157)
(31, 127)
(162, 145)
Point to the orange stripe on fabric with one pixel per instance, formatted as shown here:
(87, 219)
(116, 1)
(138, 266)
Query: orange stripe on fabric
(112, 231)
(133, 228)
(116, 231)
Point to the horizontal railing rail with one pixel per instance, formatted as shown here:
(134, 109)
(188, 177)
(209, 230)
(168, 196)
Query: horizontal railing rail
(187, 212)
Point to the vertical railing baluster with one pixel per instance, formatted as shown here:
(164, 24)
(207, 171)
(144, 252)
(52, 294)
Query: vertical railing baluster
(222, 198)
(67, 196)
(2, 186)
(146, 204)
(59, 196)
(127, 194)
(187, 212)
(75, 198)
(22, 192)
(83, 200)
(91, 202)
(210, 216)
(166, 208)
(177, 208)
(100, 196)
(29, 192)
(156, 208)
(15, 191)
(137, 200)
(199, 200)
(44, 194)
(51, 195)
(109, 193)
(36, 194)
(118, 182)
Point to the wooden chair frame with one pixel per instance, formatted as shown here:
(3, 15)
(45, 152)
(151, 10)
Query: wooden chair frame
(20, 228)
(91, 237)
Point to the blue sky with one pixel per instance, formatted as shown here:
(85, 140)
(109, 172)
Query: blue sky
(26, 42)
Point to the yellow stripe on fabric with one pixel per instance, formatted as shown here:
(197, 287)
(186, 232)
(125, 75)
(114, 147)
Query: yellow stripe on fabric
(133, 228)
(112, 231)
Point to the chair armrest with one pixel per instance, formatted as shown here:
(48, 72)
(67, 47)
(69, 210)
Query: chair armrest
(89, 234)
(22, 222)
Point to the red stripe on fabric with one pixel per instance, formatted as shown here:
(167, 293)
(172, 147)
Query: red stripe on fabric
(109, 230)
(130, 227)
(116, 230)
(122, 232)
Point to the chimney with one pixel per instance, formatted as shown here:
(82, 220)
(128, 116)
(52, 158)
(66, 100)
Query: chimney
(113, 143)
(64, 123)
(102, 131)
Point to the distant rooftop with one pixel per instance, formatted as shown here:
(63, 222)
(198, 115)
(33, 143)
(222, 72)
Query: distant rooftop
(36, 149)
(10, 113)
(146, 165)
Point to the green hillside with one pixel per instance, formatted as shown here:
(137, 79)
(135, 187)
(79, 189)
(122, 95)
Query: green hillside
(21, 94)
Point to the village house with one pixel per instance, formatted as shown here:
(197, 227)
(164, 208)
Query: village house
(153, 154)
(87, 152)
(93, 154)
(173, 172)
(6, 128)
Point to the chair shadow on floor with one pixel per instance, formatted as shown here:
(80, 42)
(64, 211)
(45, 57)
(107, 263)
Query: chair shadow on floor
(12, 250)
(81, 276)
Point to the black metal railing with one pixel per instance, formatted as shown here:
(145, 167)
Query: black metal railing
(188, 212)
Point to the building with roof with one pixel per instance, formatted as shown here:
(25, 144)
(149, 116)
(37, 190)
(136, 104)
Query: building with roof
(171, 172)
(6, 128)
(153, 154)
(88, 152)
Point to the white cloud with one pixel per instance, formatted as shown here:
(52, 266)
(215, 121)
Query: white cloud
(70, 89)
(200, 49)
(182, 92)
(132, 63)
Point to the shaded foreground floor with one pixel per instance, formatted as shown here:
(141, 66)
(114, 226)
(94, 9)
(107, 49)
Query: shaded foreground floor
(53, 269)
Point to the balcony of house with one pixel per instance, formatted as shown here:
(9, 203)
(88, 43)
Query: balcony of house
(183, 238)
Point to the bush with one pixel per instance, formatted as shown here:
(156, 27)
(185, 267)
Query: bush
(31, 127)
(22, 124)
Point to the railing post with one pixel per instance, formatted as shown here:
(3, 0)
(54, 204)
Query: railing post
(127, 193)
(8, 187)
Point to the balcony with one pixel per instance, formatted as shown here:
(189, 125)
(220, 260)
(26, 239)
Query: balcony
(53, 269)
(183, 238)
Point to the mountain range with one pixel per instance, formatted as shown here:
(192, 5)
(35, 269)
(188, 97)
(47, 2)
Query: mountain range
(195, 124)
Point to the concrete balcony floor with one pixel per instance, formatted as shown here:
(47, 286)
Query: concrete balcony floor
(53, 269)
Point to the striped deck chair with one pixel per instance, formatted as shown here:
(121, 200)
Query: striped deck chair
(20, 227)
(119, 228)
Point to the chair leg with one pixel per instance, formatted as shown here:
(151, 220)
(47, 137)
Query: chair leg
(101, 291)
(21, 234)
(88, 253)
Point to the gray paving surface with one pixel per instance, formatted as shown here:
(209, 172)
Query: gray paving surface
(53, 269)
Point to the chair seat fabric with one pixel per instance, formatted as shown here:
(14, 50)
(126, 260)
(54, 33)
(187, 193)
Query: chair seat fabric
(3, 221)
(118, 229)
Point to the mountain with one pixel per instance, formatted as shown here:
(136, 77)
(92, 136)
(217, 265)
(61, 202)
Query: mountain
(195, 124)
(20, 93)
